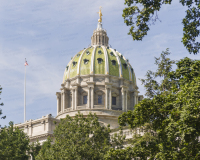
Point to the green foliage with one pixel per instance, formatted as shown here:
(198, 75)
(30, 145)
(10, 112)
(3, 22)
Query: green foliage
(170, 120)
(1, 104)
(140, 14)
(78, 138)
(35, 147)
(14, 144)
(153, 87)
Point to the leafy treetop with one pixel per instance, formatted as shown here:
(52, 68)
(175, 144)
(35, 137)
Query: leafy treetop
(140, 14)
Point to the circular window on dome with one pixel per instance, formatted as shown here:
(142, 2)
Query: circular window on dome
(99, 51)
(113, 62)
(86, 61)
(78, 55)
(132, 70)
(111, 53)
(87, 52)
(125, 65)
(74, 63)
(100, 60)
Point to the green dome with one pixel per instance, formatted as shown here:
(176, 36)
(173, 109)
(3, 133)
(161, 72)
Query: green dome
(99, 60)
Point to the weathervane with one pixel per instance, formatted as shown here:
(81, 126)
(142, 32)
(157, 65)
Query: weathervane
(100, 15)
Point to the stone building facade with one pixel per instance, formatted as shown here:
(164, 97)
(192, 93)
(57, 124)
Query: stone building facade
(98, 79)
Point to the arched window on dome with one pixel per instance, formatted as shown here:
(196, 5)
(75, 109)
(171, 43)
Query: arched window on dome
(100, 60)
(113, 62)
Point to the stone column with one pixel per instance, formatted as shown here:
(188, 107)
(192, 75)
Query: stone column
(58, 102)
(135, 98)
(110, 98)
(126, 100)
(106, 98)
(73, 99)
(64, 100)
(89, 98)
(76, 98)
(92, 97)
(123, 99)
(90, 94)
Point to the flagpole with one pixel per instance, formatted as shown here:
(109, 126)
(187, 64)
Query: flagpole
(25, 93)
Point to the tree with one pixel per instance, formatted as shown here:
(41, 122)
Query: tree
(14, 143)
(78, 138)
(168, 120)
(140, 14)
(1, 104)
(34, 150)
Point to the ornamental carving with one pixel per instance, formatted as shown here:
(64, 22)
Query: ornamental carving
(99, 79)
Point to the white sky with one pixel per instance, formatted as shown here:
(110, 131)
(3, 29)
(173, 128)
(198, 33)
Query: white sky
(48, 33)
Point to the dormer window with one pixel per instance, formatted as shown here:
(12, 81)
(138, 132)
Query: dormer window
(87, 52)
(100, 60)
(67, 67)
(99, 52)
(125, 65)
(127, 60)
(78, 55)
(86, 61)
(113, 62)
(74, 63)
(111, 53)
(121, 56)
(132, 70)
(107, 47)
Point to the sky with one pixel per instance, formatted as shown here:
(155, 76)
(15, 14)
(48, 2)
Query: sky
(48, 33)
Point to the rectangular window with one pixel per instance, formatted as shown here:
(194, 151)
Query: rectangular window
(99, 99)
(113, 100)
(84, 99)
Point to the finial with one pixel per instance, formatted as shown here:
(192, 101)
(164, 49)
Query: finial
(100, 15)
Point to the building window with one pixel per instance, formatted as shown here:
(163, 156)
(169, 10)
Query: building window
(84, 99)
(100, 60)
(113, 100)
(99, 99)
(113, 62)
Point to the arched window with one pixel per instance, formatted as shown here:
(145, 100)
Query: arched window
(114, 99)
(85, 99)
(99, 99)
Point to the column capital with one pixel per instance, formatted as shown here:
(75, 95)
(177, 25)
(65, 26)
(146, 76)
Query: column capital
(90, 84)
(124, 88)
(74, 84)
(108, 85)
(58, 94)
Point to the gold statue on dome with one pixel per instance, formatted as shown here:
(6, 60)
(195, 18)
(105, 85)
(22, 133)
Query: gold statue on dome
(100, 15)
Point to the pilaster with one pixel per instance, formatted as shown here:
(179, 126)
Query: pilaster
(58, 94)
(108, 87)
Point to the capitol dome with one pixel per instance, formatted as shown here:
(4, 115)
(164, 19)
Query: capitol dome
(98, 79)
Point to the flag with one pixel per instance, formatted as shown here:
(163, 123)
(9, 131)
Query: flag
(26, 64)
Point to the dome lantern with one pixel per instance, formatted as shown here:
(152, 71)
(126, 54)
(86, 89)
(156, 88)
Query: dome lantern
(99, 36)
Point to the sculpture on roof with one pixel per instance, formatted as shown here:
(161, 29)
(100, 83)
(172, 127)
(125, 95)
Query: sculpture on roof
(100, 15)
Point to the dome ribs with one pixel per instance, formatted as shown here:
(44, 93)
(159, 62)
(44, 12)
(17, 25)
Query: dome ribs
(106, 60)
(92, 60)
(99, 68)
(79, 62)
(119, 62)
(113, 69)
